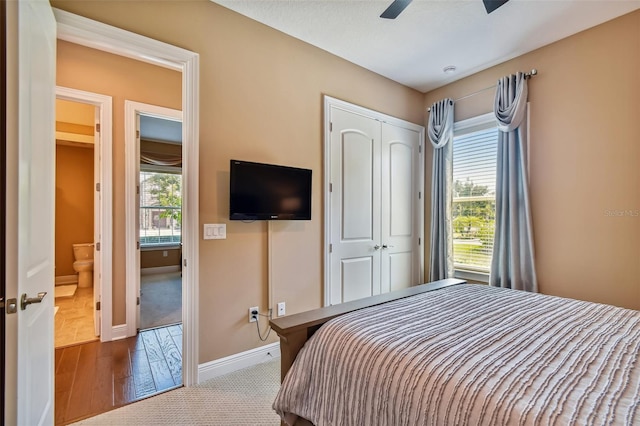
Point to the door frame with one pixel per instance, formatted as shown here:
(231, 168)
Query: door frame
(103, 205)
(96, 35)
(3, 194)
(132, 181)
(330, 102)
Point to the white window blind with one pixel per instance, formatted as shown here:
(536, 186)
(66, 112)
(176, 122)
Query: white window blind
(474, 196)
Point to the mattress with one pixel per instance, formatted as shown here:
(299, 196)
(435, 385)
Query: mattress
(470, 355)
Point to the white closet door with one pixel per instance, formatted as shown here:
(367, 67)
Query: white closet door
(355, 206)
(400, 255)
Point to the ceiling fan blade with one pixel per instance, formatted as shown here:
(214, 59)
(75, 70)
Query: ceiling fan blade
(395, 9)
(492, 5)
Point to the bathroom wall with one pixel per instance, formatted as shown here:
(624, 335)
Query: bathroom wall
(74, 203)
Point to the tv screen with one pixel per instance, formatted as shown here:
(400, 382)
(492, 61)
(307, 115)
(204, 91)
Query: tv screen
(269, 192)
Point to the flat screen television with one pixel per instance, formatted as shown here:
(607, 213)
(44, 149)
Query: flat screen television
(269, 192)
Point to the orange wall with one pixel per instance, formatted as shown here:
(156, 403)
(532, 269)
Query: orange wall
(121, 78)
(74, 203)
(585, 158)
(260, 100)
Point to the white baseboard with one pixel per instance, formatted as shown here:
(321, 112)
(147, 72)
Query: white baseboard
(229, 364)
(159, 270)
(66, 279)
(119, 332)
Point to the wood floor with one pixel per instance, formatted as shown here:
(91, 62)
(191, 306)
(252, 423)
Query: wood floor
(96, 377)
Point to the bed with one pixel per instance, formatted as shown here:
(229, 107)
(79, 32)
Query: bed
(451, 353)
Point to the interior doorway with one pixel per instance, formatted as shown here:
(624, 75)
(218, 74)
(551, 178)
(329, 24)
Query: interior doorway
(93, 34)
(154, 237)
(82, 309)
(160, 219)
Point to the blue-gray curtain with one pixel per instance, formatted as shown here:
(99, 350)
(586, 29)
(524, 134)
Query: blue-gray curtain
(512, 265)
(440, 131)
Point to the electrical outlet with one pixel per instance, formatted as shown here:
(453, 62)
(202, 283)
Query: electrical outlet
(281, 309)
(253, 313)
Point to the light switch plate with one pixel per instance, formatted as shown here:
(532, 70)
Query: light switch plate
(215, 231)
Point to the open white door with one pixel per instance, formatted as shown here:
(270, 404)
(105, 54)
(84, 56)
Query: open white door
(36, 191)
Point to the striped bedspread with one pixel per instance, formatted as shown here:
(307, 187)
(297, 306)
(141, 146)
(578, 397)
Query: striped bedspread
(470, 355)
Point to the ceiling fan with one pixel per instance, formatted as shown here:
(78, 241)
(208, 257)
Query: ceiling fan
(398, 6)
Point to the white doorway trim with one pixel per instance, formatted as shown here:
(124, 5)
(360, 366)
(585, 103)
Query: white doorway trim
(132, 110)
(103, 210)
(86, 32)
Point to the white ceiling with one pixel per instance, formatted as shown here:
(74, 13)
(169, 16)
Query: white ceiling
(430, 34)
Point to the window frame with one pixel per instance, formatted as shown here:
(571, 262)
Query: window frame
(460, 128)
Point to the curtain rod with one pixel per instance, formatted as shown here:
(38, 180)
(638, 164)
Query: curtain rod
(527, 76)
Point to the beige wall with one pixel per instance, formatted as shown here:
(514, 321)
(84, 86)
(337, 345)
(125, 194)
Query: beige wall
(585, 158)
(74, 203)
(260, 100)
(157, 258)
(121, 78)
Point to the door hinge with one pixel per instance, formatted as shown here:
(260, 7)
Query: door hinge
(97, 306)
(138, 245)
(420, 149)
(419, 240)
(331, 127)
(138, 300)
(137, 134)
(330, 248)
(98, 246)
(98, 186)
(419, 195)
(184, 262)
(98, 127)
(138, 190)
(330, 187)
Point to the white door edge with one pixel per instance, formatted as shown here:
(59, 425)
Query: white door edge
(132, 112)
(330, 102)
(97, 35)
(103, 162)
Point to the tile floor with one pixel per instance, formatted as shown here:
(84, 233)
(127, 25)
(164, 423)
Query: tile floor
(74, 320)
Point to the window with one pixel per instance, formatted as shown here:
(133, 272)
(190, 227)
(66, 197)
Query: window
(474, 195)
(160, 208)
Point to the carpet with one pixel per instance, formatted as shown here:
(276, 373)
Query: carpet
(160, 300)
(243, 397)
(66, 290)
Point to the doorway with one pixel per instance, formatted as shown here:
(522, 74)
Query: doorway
(74, 304)
(113, 40)
(83, 221)
(159, 202)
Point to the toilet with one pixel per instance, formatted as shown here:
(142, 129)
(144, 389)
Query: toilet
(83, 265)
